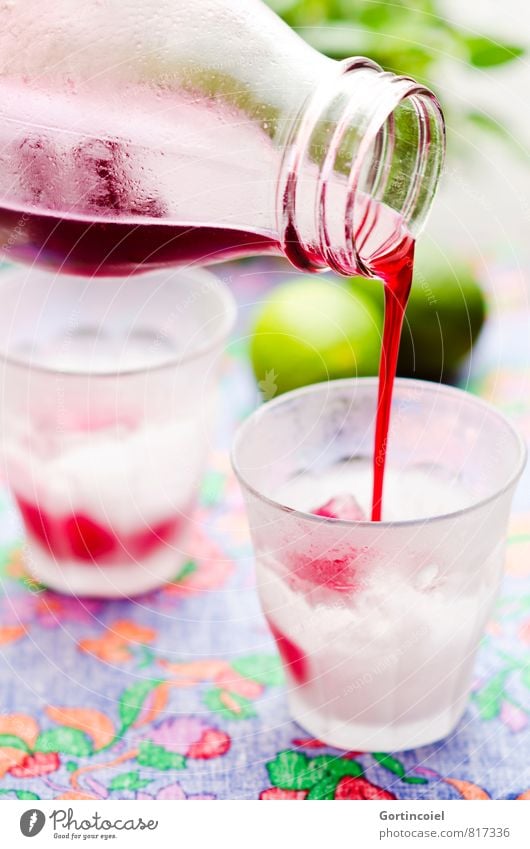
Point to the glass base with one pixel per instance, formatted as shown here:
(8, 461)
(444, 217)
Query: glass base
(354, 736)
(114, 581)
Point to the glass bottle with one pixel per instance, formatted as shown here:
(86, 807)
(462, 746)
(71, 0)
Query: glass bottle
(153, 132)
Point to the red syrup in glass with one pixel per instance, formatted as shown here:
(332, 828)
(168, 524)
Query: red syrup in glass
(78, 537)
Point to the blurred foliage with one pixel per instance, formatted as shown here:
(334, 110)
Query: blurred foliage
(404, 37)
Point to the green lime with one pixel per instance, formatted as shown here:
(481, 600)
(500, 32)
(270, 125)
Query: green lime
(314, 329)
(444, 316)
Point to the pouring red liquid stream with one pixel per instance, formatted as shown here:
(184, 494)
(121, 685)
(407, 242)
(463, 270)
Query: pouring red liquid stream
(396, 270)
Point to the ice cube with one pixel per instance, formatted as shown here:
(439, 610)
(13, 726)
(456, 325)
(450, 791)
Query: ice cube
(343, 506)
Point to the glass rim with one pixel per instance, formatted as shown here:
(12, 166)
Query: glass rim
(227, 321)
(330, 386)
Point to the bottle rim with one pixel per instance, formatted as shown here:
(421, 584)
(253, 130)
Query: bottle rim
(313, 247)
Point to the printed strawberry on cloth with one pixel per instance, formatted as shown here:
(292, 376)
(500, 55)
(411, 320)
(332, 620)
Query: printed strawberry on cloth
(179, 694)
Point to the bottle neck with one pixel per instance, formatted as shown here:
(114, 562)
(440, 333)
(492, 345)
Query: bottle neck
(360, 169)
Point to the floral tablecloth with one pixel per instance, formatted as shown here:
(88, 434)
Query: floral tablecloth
(178, 694)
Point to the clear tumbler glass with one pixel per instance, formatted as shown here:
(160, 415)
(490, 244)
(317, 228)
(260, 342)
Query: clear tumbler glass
(378, 623)
(108, 396)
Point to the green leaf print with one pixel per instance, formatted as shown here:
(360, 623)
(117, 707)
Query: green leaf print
(68, 741)
(339, 767)
(13, 742)
(152, 755)
(294, 771)
(129, 781)
(263, 668)
(390, 763)
(325, 789)
(489, 699)
(20, 794)
(242, 707)
(132, 700)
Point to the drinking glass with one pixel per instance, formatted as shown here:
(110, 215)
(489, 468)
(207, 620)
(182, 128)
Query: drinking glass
(378, 623)
(108, 396)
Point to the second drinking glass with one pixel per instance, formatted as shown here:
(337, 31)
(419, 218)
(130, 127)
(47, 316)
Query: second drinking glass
(108, 394)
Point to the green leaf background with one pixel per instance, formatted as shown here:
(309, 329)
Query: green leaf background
(404, 38)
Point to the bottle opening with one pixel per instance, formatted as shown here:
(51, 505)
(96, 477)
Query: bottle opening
(397, 178)
(364, 165)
